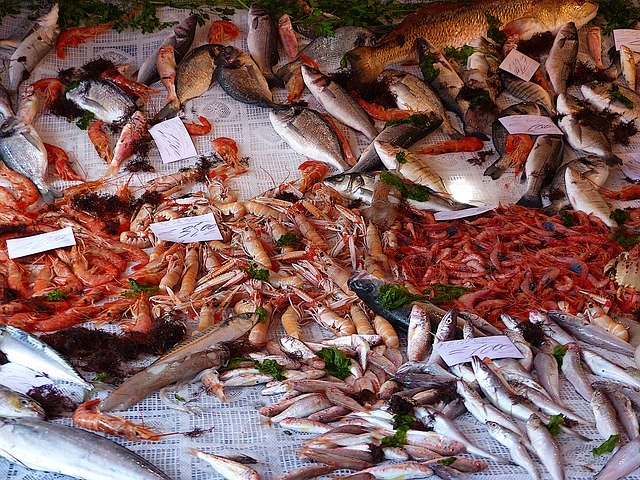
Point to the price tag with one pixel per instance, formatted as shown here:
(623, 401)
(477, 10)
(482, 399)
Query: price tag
(173, 140)
(630, 165)
(520, 65)
(461, 351)
(467, 212)
(628, 37)
(201, 228)
(21, 247)
(530, 124)
(21, 379)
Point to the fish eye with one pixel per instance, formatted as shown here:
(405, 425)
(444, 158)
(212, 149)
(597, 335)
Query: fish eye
(24, 402)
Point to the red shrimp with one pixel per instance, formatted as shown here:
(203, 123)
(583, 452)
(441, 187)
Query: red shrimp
(75, 36)
(222, 31)
(57, 157)
(203, 129)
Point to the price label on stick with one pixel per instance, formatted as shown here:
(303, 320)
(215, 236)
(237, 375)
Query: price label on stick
(520, 65)
(628, 37)
(461, 351)
(21, 247)
(173, 140)
(201, 228)
(530, 124)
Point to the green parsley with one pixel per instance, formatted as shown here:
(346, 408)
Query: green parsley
(555, 423)
(447, 461)
(288, 239)
(336, 362)
(235, 362)
(401, 423)
(401, 157)
(607, 446)
(85, 120)
(55, 295)
(482, 99)
(273, 368)
(494, 32)
(429, 72)
(625, 241)
(394, 296)
(408, 190)
(460, 55)
(417, 120)
(256, 272)
(100, 377)
(179, 398)
(263, 314)
(619, 216)
(348, 58)
(616, 95)
(567, 219)
(403, 420)
(558, 353)
(443, 293)
(135, 289)
(617, 14)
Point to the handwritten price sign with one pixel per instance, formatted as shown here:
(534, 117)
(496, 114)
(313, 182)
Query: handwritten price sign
(461, 351)
(520, 65)
(173, 140)
(21, 247)
(467, 212)
(530, 124)
(628, 37)
(200, 228)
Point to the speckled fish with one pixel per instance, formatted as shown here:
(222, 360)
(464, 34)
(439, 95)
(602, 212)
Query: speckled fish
(542, 162)
(33, 48)
(14, 404)
(54, 448)
(22, 150)
(562, 57)
(309, 134)
(262, 41)
(527, 91)
(584, 196)
(183, 362)
(354, 186)
(105, 100)
(181, 40)
(614, 98)
(455, 24)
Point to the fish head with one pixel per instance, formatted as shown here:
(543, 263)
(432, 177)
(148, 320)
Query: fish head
(556, 13)
(185, 30)
(81, 90)
(338, 182)
(450, 318)
(24, 406)
(364, 284)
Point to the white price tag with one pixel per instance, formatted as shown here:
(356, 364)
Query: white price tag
(201, 228)
(630, 165)
(461, 351)
(173, 140)
(467, 212)
(21, 379)
(520, 65)
(21, 247)
(628, 37)
(530, 124)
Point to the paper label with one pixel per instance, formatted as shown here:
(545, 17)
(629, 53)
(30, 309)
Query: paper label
(201, 228)
(173, 140)
(520, 65)
(461, 351)
(21, 247)
(530, 124)
(630, 165)
(20, 378)
(467, 212)
(628, 37)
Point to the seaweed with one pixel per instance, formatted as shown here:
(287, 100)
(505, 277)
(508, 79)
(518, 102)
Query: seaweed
(52, 400)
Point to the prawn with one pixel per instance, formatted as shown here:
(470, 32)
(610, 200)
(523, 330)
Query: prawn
(518, 148)
(142, 317)
(465, 144)
(378, 112)
(312, 172)
(222, 31)
(291, 322)
(57, 157)
(131, 87)
(48, 88)
(631, 192)
(75, 36)
(100, 141)
(89, 416)
(203, 129)
(344, 143)
(26, 193)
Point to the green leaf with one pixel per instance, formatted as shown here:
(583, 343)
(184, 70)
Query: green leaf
(85, 120)
(625, 241)
(100, 377)
(607, 446)
(288, 239)
(179, 398)
(393, 296)
(401, 157)
(619, 216)
(135, 289)
(235, 362)
(447, 461)
(493, 32)
(336, 362)
(403, 420)
(429, 72)
(482, 99)
(616, 95)
(567, 219)
(263, 314)
(273, 368)
(460, 55)
(558, 352)
(398, 439)
(555, 423)
(442, 293)
(617, 14)
(256, 272)
(55, 295)
(407, 189)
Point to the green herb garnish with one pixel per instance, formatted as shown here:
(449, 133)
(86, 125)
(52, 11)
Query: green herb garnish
(625, 241)
(619, 216)
(429, 72)
(394, 296)
(235, 362)
(398, 439)
(55, 295)
(179, 398)
(401, 423)
(348, 58)
(494, 32)
(100, 377)
(263, 314)
(607, 446)
(555, 423)
(273, 368)
(567, 219)
(288, 239)
(443, 293)
(417, 120)
(403, 420)
(336, 362)
(460, 55)
(408, 190)
(447, 461)
(616, 95)
(558, 352)
(401, 157)
(482, 99)
(135, 289)
(256, 272)
(617, 14)
(85, 120)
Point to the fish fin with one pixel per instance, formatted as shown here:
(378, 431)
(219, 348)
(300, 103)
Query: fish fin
(170, 110)
(495, 170)
(529, 200)
(612, 160)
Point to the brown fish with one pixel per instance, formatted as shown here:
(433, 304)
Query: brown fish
(455, 24)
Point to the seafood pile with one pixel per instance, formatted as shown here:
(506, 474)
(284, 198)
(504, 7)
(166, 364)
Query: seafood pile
(332, 286)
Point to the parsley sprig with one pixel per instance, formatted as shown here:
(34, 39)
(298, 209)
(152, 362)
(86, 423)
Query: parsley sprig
(336, 362)
(135, 289)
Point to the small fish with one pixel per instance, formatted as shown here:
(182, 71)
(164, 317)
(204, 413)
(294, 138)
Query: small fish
(594, 45)
(262, 41)
(527, 91)
(562, 57)
(545, 447)
(105, 100)
(574, 373)
(226, 467)
(309, 134)
(354, 186)
(14, 404)
(605, 415)
(517, 447)
(418, 334)
(628, 64)
(129, 137)
(604, 368)
(622, 463)
(540, 166)
(614, 98)
(626, 412)
(22, 150)
(584, 196)
(546, 367)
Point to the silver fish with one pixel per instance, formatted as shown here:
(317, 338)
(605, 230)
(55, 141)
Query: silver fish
(14, 404)
(22, 150)
(523, 346)
(545, 447)
(33, 48)
(549, 327)
(183, 362)
(310, 134)
(605, 415)
(574, 373)
(585, 197)
(546, 367)
(546, 405)
(181, 40)
(226, 467)
(70, 451)
(562, 57)
(516, 445)
(624, 462)
(337, 102)
(418, 334)
(354, 186)
(104, 99)
(626, 412)
(604, 368)
(262, 41)
(614, 98)
(527, 91)
(445, 331)
(591, 167)
(6, 110)
(541, 164)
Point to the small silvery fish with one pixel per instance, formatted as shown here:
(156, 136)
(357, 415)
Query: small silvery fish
(105, 100)
(624, 462)
(541, 164)
(226, 467)
(354, 186)
(14, 404)
(517, 447)
(262, 41)
(605, 415)
(562, 57)
(584, 196)
(545, 447)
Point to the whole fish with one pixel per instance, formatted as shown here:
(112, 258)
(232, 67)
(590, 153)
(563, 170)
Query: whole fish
(545, 447)
(613, 98)
(546, 367)
(14, 404)
(622, 463)
(70, 451)
(104, 99)
(310, 134)
(418, 334)
(604, 368)
(403, 133)
(523, 346)
(626, 412)
(181, 40)
(22, 150)
(546, 405)
(562, 57)
(527, 91)
(183, 362)
(605, 415)
(542, 162)
(591, 167)
(574, 373)
(129, 137)
(337, 102)
(33, 48)
(517, 446)
(226, 467)
(6, 110)
(262, 41)
(353, 186)
(584, 196)
(454, 24)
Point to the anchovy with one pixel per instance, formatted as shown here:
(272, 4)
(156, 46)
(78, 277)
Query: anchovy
(262, 41)
(517, 447)
(624, 462)
(545, 447)
(104, 99)
(547, 406)
(562, 57)
(543, 161)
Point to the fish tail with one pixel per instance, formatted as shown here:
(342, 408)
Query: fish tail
(365, 65)
(496, 169)
(273, 80)
(170, 110)
(530, 200)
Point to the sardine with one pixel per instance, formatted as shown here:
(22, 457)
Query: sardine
(527, 91)
(184, 361)
(542, 162)
(337, 102)
(15, 404)
(605, 415)
(104, 99)
(613, 98)
(545, 447)
(262, 41)
(585, 197)
(624, 462)
(181, 40)
(562, 57)
(71, 451)
(22, 150)
(574, 373)
(353, 186)
(455, 24)
(591, 167)
(309, 134)
(33, 48)
(516, 445)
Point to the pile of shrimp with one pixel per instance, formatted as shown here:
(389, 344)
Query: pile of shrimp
(512, 260)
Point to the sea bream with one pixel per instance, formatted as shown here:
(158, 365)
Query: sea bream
(455, 24)
(104, 99)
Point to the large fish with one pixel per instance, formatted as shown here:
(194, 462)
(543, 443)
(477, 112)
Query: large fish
(353, 185)
(457, 23)
(541, 164)
(527, 91)
(613, 98)
(592, 167)
(562, 57)
(262, 41)
(584, 196)
(105, 100)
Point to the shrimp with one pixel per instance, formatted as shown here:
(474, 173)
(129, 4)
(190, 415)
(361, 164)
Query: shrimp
(309, 232)
(258, 334)
(254, 247)
(263, 211)
(191, 266)
(222, 31)
(598, 317)
(203, 129)
(131, 87)
(211, 381)
(88, 416)
(142, 316)
(48, 88)
(518, 147)
(227, 148)
(631, 192)
(361, 321)
(75, 36)
(136, 239)
(312, 172)
(291, 322)
(26, 193)
(333, 322)
(174, 270)
(98, 274)
(60, 160)
(386, 331)
(378, 112)
(465, 144)
(100, 141)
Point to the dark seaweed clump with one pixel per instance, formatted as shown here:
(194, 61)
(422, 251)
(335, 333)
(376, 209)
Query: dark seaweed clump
(607, 122)
(482, 157)
(152, 198)
(52, 400)
(91, 69)
(139, 165)
(583, 73)
(103, 204)
(6, 228)
(538, 44)
(532, 333)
